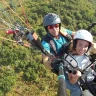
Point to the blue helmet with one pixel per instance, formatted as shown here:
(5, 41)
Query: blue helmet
(51, 19)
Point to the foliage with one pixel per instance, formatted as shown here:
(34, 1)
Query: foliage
(7, 79)
(21, 68)
(73, 9)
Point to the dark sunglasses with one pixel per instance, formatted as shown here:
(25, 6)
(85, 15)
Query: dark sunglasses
(52, 26)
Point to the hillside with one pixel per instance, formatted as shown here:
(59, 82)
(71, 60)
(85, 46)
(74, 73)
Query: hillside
(21, 70)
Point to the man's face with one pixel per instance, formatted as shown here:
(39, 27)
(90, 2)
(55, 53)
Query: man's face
(54, 29)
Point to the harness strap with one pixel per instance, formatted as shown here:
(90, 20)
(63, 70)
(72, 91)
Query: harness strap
(53, 46)
(49, 40)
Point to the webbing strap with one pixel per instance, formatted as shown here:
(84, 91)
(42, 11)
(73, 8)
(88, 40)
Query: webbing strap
(53, 46)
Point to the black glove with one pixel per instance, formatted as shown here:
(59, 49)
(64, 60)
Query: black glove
(55, 66)
(65, 47)
(92, 58)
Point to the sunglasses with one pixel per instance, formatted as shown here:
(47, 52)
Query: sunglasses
(52, 26)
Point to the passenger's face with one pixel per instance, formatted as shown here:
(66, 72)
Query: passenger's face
(82, 47)
(54, 30)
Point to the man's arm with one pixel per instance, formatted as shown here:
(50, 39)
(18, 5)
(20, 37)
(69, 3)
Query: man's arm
(46, 60)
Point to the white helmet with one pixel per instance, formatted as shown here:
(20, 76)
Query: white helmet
(84, 35)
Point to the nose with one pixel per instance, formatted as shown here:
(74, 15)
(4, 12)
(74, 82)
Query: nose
(82, 48)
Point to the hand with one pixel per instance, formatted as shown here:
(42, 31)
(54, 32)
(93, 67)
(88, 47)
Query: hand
(74, 77)
(93, 48)
(52, 58)
(47, 61)
(86, 93)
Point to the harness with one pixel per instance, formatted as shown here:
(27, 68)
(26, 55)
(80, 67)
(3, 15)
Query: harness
(47, 38)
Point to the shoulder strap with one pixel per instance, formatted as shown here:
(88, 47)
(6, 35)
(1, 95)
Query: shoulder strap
(49, 40)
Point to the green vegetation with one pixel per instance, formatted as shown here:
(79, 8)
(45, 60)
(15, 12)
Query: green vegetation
(21, 70)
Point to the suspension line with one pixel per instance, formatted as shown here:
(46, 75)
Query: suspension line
(15, 13)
